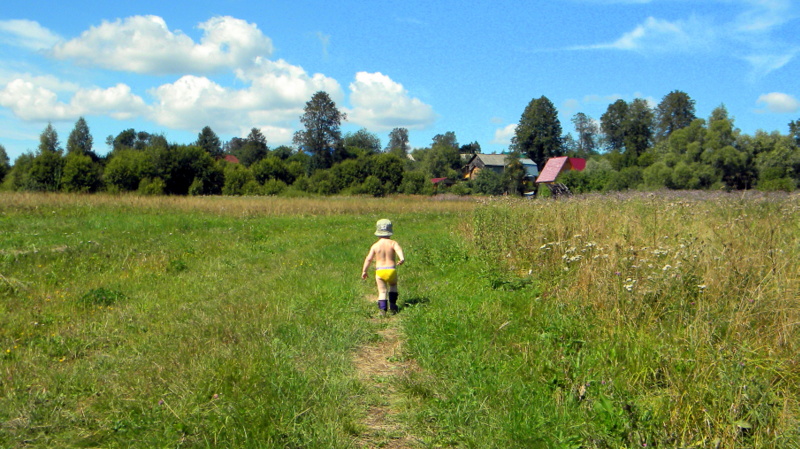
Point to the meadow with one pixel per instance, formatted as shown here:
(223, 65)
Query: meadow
(641, 320)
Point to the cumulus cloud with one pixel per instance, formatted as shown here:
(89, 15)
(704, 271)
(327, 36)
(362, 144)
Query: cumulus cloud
(144, 44)
(779, 103)
(30, 101)
(503, 135)
(381, 104)
(27, 34)
(274, 100)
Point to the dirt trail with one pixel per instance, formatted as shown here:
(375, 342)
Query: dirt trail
(379, 365)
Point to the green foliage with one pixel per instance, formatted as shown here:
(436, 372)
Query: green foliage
(461, 189)
(414, 183)
(271, 168)
(80, 140)
(488, 182)
(398, 142)
(372, 186)
(322, 182)
(45, 171)
(273, 187)
(237, 177)
(675, 111)
(364, 140)
(126, 169)
(4, 165)
(208, 140)
(322, 134)
(152, 186)
(538, 134)
(80, 173)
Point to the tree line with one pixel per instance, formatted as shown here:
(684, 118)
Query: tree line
(632, 146)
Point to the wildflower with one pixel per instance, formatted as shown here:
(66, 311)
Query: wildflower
(160, 402)
(666, 267)
(702, 287)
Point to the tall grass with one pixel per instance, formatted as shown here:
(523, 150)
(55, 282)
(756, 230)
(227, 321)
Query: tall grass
(153, 322)
(618, 321)
(595, 322)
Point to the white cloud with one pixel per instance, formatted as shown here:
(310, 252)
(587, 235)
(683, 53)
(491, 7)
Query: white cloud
(779, 103)
(144, 44)
(763, 15)
(31, 102)
(656, 35)
(49, 82)
(381, 104)
(747, 35)
(503, 135)
(27, 34)
(273, 102)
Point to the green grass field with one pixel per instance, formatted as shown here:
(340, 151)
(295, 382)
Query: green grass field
(598, 322)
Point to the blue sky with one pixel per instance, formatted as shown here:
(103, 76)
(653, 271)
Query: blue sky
(465, 66)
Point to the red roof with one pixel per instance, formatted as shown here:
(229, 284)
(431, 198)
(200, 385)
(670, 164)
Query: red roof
(231, 158)
(556, 165)
(437, 180)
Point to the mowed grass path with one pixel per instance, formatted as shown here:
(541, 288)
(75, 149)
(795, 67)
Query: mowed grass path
(128, 322)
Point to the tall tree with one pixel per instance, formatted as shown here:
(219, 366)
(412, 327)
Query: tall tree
(448, 138)
(587, 131)
(48, 141)
(208, 140)
(45, 169)
(675, 111)
(538, 133)
(794, 131)
(80, 140)
(322, 134)
(612, 122)
(638, 126)
(470, 148)
(364, 140)
(398, 142)
(4, 163)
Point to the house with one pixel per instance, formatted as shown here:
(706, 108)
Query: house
(231, 158)
(497, 163)
(556, 165)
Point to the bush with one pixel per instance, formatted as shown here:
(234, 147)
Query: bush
(488, 182)
(236, 177)
(152, 186)
(775, 185)
(461, 189)
(80, 174)
(372, 186)
(273, 187)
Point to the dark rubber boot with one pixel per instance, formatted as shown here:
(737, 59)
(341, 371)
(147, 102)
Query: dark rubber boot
(382, 306)
(393, 302)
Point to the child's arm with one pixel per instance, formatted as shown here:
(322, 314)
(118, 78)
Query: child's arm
(367, 261)
(399, 251)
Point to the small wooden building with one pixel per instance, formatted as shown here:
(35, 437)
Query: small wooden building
(497, 163)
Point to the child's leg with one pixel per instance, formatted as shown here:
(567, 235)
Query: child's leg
(382, 288)
(393, 298)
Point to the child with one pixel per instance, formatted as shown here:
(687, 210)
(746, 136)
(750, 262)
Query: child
(384, 252)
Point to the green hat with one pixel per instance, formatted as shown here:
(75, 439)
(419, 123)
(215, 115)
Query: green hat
(383, 228)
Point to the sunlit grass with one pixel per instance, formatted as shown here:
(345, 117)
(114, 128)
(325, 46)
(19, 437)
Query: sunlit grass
(596, 322)
(622, 321)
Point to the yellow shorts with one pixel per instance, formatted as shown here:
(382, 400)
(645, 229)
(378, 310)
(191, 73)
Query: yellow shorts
(387, 274)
